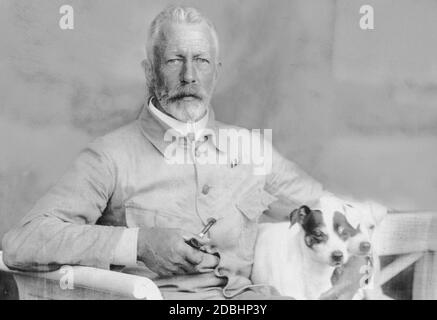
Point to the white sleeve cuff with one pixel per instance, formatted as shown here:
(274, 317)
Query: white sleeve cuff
(125, 253)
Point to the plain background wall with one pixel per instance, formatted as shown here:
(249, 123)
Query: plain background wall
(356, 109)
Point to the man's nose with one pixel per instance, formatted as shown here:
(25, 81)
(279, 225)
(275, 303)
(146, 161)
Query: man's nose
(188, 73)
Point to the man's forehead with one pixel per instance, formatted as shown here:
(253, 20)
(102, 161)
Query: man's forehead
(177, 36)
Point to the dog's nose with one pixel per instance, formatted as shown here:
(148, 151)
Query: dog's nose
(365, 246)
(337, 256)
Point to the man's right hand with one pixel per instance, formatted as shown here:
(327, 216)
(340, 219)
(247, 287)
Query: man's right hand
(165, 251)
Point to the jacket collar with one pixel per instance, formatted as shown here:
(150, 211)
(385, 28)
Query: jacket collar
(183, 128)
(161, 135)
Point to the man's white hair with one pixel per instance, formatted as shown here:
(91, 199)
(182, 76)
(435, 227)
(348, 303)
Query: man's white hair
(176, 14)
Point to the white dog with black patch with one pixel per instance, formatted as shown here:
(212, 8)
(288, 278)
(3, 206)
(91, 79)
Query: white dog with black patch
(299, 258)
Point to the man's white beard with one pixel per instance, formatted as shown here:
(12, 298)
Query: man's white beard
(186, 111)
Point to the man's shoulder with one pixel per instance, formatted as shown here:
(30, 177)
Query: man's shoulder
(119, 140)
(126, 131)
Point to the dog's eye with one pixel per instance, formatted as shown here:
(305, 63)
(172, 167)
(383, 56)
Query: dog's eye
(343, 233)
(318, 236)
(371, 227)
(317, 239)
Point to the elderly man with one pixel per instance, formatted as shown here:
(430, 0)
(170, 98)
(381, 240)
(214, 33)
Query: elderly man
(129, 204)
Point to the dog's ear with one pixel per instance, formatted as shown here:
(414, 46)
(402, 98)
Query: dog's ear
(298, 215)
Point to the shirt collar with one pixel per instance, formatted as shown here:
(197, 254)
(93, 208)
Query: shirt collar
(183, 128)
(154, 127)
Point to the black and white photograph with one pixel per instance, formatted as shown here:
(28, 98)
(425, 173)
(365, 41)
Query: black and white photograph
(218, 150)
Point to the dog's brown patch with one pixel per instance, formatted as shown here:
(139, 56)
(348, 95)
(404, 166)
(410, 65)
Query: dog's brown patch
(342, 227)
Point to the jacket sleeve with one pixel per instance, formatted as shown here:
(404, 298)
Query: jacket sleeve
(291, 184)
(60, 229)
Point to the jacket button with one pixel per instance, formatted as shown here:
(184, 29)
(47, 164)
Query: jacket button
(205, 189)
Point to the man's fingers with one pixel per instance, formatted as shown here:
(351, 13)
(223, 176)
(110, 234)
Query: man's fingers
(198, 240)
(193, 256)
(210, 261)
(163, 272)
(186, 268)
(202, 241)
(208, 249)
(188, 235)
(347, 282)
(335, 292)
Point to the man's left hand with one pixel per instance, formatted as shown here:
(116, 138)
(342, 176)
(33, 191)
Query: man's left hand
(348, 281)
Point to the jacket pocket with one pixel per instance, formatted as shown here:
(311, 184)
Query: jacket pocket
(139, 217)
(254, 202)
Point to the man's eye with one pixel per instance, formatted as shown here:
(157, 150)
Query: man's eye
(174, 61)
(202, 61)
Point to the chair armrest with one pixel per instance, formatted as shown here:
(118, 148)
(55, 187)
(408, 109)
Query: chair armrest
(77, 282)
(403, 233)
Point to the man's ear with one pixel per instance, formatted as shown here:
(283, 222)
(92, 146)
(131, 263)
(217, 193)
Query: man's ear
(148, 70)
(218, 70)
(298, 215)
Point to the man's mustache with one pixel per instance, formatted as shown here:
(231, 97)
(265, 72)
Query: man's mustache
(187, 91)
